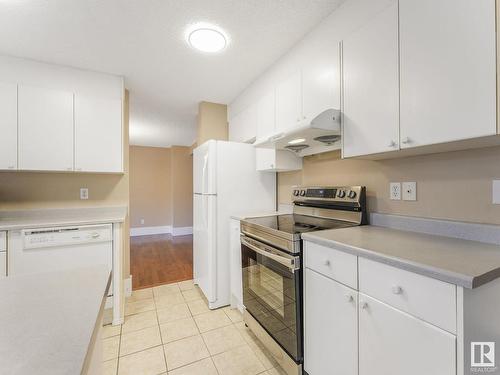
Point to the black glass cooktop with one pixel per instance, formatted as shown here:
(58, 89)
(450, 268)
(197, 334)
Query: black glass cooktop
(296, 224)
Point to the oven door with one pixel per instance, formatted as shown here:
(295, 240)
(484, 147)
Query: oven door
(272, 290)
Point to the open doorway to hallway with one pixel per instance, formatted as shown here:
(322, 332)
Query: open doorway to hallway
(161, 215)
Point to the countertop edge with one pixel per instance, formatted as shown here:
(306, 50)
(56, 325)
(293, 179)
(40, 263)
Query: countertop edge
(425, 270)
(61, 222)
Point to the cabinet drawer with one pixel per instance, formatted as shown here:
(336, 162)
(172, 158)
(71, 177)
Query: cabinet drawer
(332, 263)
(3, 241)
(429, 299)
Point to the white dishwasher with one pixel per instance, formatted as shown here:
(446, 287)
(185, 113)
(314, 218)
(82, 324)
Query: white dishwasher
(60, 248)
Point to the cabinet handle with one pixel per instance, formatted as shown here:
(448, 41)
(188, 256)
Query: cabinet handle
(392, 144)
(396, 289)
(364, 305)
(298, 119)
(349, 298)
(327, 263)
(304, 117)
(406, 140)
(272, 165)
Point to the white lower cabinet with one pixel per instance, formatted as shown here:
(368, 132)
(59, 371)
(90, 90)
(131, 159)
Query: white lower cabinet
(393, 343)
(3, 264)
(331, 327)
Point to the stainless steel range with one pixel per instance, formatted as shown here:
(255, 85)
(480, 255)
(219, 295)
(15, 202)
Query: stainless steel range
(271, 252)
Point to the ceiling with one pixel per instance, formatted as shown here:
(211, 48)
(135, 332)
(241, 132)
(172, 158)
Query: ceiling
(144, 41)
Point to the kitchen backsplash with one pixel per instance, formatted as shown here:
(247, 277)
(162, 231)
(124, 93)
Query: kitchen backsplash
(453, 185)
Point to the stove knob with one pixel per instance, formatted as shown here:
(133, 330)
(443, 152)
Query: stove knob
(341, 194)
(302, 193)
(352, 194)
(296, 192)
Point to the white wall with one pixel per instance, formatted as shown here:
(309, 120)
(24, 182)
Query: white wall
(343, 21)
(57, 77)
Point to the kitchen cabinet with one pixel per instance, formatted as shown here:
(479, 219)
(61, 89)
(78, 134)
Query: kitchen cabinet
(8, 126)
(271, 160)
(371, 86)
(331, 326)
(289, 103)
(45, 129)
(235, 257)
(393, 343)
(321, 83)
(243, 126)
(266, 115)
(3, 254)
(448, 70)
(98, 135)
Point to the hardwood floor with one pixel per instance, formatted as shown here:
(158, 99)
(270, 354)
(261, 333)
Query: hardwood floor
(160, 259)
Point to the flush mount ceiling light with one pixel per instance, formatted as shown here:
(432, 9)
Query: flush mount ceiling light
(206, 38)
(295, 141)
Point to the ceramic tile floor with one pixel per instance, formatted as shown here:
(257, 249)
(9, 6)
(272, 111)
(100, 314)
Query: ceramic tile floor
(170, 330)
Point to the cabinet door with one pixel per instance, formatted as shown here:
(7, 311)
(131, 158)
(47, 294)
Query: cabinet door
(393, 343)
(371, 86)
(45, 129)
(3, 264)
(321, 83)
(242, 127)
(8, 126)
(448, 73)
(266, 115)
(331, 327)
(289, 103)
(98, 135)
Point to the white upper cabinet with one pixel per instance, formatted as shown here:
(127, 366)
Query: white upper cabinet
(394, 343)
(289, 103)
(45, 129)
(266, 115)
(371, 86)
(448, 73)
(243, 126)
(321, 83)
(8, 126)
(98, 135)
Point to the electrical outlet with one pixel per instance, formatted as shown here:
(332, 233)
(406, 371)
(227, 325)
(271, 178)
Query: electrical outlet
(395, 191)
(142, 221)
(496, 191)
(409, 191)
(84, 193)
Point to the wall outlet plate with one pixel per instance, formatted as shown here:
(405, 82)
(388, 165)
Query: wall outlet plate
(142, 221)
(409, 191)
(84, 193)
(395, 191)
(496, 191)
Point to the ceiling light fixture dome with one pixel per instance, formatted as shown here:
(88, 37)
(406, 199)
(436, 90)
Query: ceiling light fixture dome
(206, 38)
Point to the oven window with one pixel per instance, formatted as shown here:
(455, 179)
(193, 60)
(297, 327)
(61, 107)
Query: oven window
(269, 294)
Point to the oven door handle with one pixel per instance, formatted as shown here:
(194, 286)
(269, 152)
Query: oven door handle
(292, 263)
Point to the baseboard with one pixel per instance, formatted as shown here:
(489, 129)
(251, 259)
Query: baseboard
(146, 231)
(182, 231)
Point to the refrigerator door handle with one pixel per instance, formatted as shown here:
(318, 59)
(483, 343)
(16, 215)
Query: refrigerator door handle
(204, 174)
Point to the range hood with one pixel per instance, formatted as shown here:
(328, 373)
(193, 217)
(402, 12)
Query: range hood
(322, 134)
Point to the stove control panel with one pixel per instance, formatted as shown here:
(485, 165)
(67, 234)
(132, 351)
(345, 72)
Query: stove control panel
(353, 194)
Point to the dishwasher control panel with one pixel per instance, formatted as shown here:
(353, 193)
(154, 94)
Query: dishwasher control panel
(64, 236)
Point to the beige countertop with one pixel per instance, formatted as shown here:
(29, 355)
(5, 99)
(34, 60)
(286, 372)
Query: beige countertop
(465, 263)
(38, 218)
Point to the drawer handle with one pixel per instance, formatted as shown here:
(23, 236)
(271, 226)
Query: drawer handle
(349, 298)
(364, 305)
(327, 263)
(396, 289)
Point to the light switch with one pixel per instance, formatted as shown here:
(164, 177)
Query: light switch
(496, 191)
(409, 191)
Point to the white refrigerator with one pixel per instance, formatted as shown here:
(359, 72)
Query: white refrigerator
(225, 182)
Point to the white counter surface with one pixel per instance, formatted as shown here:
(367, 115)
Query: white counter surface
(38, 218)
(47, 320)
(462, 262)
